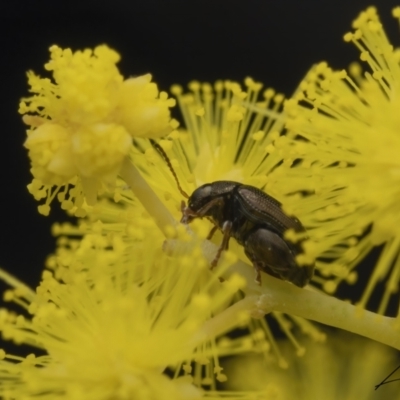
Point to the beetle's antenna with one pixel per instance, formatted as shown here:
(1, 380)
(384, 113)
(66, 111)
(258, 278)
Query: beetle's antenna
(166, 159)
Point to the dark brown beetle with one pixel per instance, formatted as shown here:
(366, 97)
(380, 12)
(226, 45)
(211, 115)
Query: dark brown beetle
(258, 223)
(255, 219)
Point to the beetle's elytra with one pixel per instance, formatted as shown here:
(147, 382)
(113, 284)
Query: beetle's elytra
(258, 223)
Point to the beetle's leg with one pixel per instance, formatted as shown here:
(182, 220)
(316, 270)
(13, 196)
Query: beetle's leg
(183, 206)
(211, 234)
(257, 270)
(226, 230)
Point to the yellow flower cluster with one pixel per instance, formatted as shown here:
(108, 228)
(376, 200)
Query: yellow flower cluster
(127, 307)
(110, 327)
(343, 137)
(84, 122)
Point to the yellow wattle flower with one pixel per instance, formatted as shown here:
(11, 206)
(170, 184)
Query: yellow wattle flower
(343, 171)
(82, 124)
(113, 328)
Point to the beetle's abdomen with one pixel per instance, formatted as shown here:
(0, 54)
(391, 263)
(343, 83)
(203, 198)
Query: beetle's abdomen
(271, 254)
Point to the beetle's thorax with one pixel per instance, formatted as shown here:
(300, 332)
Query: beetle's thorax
(228, 209)
(210, 200)
(219, 213)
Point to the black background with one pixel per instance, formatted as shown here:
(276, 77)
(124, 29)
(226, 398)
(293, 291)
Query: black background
(272, 41)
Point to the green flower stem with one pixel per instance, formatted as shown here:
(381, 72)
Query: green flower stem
(277, 295)
(284, 297)
(145, 194)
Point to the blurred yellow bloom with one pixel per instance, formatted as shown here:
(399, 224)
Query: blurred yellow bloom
(342, 169)
(82, 124)
(111, 328)
(346, 367)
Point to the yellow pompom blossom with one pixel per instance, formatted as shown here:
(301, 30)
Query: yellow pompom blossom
(342, 170)
(110, 329)
(82, 123)
(346, 367)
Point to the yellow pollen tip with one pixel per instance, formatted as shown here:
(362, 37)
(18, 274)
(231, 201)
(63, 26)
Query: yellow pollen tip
(194, 86)
(396, 12)
(200, 112)
(269, 93)
(348, 37)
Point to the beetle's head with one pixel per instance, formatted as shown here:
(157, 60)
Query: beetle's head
(198, 204)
